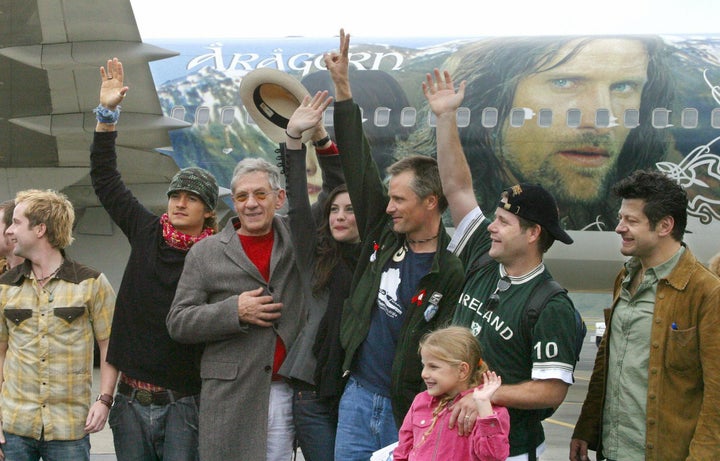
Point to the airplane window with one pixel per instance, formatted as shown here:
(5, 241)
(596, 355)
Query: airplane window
(660, 118)
(432, 120)
(178, 113)
(408, 116)
(328, 116)
(382, 116)
(227, 115)
(545, 118)
(463, 117)
(689, 118)
(517, 117)
(631, 118)
(715, 118)
(574, 118)
(249, 120)
(602, 118)
(489, 117)
(202, 115)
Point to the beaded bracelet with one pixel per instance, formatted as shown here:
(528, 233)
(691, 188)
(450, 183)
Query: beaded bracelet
(105, 115)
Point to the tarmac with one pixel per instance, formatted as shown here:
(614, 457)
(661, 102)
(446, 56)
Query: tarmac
(558, 428)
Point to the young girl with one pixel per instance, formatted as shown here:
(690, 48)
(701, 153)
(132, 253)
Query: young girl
(452, 367)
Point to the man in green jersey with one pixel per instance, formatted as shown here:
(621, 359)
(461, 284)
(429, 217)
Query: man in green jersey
(536, 370)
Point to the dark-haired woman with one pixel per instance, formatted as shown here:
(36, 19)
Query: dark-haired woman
(326, 239)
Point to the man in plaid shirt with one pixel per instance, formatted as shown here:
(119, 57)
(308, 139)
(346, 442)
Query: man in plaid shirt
(52, 309)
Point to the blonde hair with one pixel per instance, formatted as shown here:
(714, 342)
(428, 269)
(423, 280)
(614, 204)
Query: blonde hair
(54, 210)
(454, 345)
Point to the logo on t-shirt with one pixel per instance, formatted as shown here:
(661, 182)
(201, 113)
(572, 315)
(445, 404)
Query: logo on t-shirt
(387, 294)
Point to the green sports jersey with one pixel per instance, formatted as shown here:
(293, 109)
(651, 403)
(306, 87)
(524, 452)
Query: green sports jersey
(549, 353)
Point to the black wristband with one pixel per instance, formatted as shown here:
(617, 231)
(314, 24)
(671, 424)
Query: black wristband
(292, 137)
(322, 142)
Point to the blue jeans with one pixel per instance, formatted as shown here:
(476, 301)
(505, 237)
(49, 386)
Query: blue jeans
(18, 448)
(365, 423)
(315, 421)
(155, 432)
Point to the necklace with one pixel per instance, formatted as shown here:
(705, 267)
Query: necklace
(51, 293)
(421, 240)
(42, 280)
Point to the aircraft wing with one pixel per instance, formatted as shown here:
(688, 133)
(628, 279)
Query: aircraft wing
(50, 53)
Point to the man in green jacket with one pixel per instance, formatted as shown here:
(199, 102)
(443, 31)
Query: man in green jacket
(405, 285)
(654, 390)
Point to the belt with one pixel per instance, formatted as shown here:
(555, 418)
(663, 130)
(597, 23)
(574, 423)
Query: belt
(145, 397)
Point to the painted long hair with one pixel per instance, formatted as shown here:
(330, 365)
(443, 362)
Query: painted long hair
(493, 68)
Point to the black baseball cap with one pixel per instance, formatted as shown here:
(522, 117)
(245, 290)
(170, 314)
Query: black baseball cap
(534, 203)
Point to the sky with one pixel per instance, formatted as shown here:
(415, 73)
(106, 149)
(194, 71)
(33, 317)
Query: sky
(392, 18)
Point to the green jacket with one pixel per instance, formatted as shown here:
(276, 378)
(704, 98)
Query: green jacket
(441, 286)
(683, 422)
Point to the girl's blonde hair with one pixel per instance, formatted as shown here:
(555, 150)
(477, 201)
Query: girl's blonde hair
(454, 345)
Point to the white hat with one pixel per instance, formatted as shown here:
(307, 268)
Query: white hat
(271, 96)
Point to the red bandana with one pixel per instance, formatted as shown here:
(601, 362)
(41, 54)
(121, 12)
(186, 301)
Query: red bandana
(179, 240)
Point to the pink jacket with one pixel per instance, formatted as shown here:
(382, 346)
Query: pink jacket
(488, 441)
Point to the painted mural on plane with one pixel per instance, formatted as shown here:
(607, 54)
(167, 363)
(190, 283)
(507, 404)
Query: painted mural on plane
(572, 113)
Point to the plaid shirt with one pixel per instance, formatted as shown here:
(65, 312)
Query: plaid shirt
(49, 334)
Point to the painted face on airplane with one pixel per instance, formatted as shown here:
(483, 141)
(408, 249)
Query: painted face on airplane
(574, 163)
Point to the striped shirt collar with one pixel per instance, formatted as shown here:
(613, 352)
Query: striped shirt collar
(517, 280)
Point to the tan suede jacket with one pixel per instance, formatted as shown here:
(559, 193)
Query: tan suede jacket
(683, 400)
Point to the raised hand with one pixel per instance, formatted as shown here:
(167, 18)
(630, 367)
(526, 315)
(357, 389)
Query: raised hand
(337, 64)
(112, 90)
(491, 383)
(483, 395)
(441, 94)
(309, 114)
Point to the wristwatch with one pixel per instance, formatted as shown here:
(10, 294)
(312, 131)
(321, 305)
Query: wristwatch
(106, 399)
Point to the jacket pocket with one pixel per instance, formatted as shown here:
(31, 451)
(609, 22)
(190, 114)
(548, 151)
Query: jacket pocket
(422, 424)
(226, 371)
(17, 316)
(681, 352)
(69, 314)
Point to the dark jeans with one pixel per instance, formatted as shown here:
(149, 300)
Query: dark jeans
(18, 448)
(155, 432)
(315, 420)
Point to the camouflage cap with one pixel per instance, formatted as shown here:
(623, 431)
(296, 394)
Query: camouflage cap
(198, 181)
